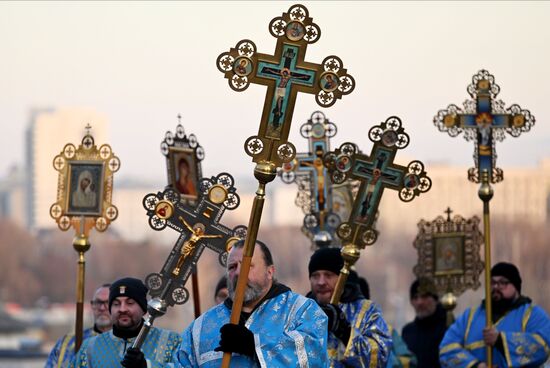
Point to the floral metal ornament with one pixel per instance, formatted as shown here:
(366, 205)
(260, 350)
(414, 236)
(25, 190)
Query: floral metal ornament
(484, 120)
(285, 73)
(183, 155)
(85, 185)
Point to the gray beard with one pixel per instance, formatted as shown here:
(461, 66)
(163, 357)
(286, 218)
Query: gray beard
(251, 293)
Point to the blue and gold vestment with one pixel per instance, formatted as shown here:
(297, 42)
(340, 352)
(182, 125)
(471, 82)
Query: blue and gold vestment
(63, 351)
(369, 344)
(289, 331)
(524, 332)
(107, 350)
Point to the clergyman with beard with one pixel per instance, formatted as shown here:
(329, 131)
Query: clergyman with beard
(128, 305)
(277, 327)
(520, 336)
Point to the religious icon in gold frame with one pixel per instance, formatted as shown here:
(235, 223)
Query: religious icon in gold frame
(448, 254)
(85, 189)
(183, 163)
(85, 185)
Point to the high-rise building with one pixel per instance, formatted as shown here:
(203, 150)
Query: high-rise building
(12, 196)
(47, 133)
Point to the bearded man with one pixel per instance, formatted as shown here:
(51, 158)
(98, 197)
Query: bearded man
(519, 336)
(277, 327)
(128, 305)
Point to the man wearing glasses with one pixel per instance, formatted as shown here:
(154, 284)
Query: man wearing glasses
(63, 351)
(519, 337)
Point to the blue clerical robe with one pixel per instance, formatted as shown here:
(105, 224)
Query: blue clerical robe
(63, 351)
(525, 334)
(107, 350)
(369, 344)
(289, 331)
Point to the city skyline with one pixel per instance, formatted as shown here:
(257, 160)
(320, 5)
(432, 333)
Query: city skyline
(142, 64)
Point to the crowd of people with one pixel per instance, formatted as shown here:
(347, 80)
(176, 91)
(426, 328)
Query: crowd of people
(281, 328)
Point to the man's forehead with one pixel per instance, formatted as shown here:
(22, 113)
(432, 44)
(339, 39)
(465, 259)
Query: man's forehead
(498, 278)
(324, 272)
(236, 254)
(124, 298)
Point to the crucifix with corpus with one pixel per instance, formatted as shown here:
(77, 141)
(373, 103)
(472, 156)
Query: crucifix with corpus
(285, 73)
(375, 172)
(200, 228)
(184, 155)
(485, 120)
(315, 191)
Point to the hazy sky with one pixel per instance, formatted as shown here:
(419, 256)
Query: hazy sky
(142, 63)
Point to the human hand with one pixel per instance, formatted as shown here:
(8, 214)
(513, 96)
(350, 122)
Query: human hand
(490, 336)
(236, 339)
(337, 322)
(134, 358)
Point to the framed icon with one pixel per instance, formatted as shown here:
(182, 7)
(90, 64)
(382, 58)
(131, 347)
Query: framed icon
(184, 168)
(448, 254)
(183, 163)
(85, 188)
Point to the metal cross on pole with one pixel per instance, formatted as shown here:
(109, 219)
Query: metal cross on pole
(375, 172)
(184, 155)
(199, 228)
(315, 190)
(285, 73)
(485, 120)
(84, 195)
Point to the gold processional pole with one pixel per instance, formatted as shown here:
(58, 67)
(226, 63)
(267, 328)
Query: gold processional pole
(285, 74)
(484, 120)
(375, 172)
(84, 194)
(485, 193)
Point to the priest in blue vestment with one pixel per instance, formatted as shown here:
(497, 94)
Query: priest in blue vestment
(128, 305)
(519, 337)
(277, 329)
(358, 335)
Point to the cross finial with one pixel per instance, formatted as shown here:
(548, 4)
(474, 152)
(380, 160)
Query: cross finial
(88, 127)
(448, 211)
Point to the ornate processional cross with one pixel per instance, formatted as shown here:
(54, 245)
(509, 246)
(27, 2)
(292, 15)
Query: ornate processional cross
(484, 120)
(199, 228)
(315, 190)
(375, 172)
(285, 73)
